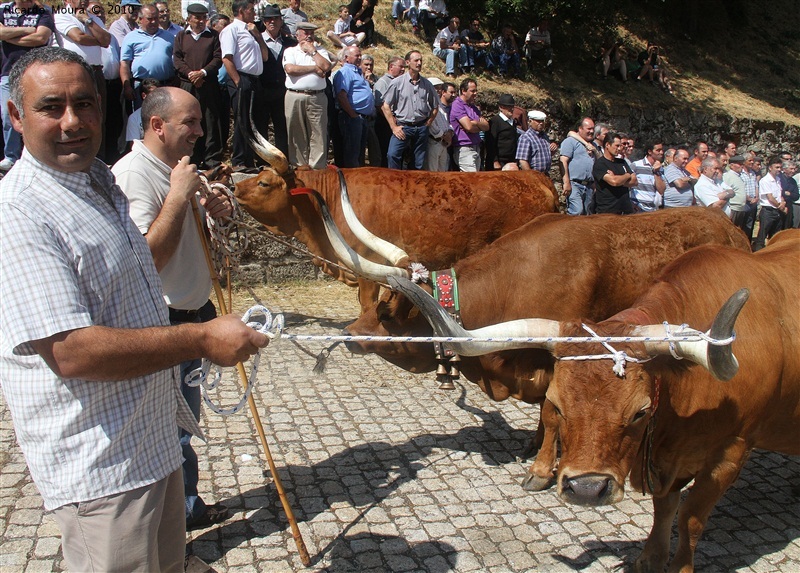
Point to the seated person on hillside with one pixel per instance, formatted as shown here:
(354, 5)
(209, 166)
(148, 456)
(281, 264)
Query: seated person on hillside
(432, 17)
(537, 46)
(405, 10)
(448, 47)
(341, 35)
(363, 21)
(652, 66)
(477, 47)
(506, 52)
(612, 56)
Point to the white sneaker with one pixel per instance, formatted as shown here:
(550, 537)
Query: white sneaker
(6, 164)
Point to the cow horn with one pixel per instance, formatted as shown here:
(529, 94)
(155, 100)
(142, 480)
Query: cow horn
(444, 325)
(363, 267)
(719, 360)
(264, 149)
(397, 256)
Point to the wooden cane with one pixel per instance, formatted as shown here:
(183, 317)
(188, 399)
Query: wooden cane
(298, 537)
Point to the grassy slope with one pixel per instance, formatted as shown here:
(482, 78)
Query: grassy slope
(746, 65)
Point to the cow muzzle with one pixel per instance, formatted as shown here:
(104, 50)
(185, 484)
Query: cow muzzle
(590, 489)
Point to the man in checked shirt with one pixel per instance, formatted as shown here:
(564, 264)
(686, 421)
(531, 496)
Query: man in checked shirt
(87, 356)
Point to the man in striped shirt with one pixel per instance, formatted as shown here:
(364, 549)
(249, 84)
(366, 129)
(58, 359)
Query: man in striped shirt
(648, 193)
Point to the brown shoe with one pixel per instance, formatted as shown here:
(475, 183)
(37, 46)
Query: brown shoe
(216, 513)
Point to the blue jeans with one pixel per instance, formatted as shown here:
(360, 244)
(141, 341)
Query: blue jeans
(195, 506)
(397, 12)
(474, 55)
(449, 57)
(11, 137)
(354, 139)
(580, 199)
(417, 138)
(509, 63)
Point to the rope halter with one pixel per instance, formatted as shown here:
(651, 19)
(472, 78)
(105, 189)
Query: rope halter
(620, 357)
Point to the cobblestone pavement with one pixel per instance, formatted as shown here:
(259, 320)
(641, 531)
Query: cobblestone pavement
(385, 473)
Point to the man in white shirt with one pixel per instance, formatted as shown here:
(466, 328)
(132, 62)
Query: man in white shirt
(707, 191)
(440, 134)
(306, 103)
(447, 47)
(243, 55)
(773, 207)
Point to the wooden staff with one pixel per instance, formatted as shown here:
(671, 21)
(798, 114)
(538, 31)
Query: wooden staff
(298, 537)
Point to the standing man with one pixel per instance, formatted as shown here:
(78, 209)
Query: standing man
(773, 207)
(85, 34)
(700, 153)
(25, 26)
(410, 105)
(534, 150)
(680, 183)
(292, 16)
(396, 66)
(306, 104)
(440, 134)
(146, 53)
(164, 21)
(467, 123)
(161, 185)
(127, 22)
(649, 192)
(503, 135)
(707, 191)
(750, 178)
(738, 203)
(614, 179)
(197, 57)
(356, 105)
(243, 55)
(576, 170)
(87, 355)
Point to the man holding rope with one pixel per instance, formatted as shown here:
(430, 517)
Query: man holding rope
(86, 354)
(161, 184)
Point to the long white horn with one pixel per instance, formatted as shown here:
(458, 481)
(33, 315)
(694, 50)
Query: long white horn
(265, 150)
(397, 256)
(363, 267)
(444, 325)
(719, 360)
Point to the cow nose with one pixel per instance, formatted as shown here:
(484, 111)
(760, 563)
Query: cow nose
(588, 489)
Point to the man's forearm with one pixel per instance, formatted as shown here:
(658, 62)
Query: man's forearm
(165, 231)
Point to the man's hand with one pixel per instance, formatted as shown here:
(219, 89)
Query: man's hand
(216, 204)
(398, 132)
(229, 341)
(656, 165)
(184, 179)
(197, 77)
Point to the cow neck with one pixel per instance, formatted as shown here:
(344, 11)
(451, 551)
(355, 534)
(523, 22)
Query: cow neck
(311, 230)
(648, 467)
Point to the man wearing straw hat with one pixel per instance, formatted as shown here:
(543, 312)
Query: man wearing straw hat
(161, 184)
(87, 355)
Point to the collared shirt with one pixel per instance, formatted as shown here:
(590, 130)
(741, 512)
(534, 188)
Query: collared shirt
(750, 183)
(644, 194)
(310, 81)
(736, 182)
(536, 35)
(674, 197)
(173, 29)
(580, 162)
(144, 179)
(769, 186)
(441, 123)
(458, 110)
(194, 52)
(292, 19)
(352, 82)
(380, 87)
(150, 56)
(238, 43)
(120, 28)
(411, 103)
(66, 22)
(212, 7)
(534, 147)
(80, 261)
(707, 193)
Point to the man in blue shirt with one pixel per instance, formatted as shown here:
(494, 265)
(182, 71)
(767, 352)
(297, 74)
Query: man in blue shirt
(356, 104)
(146, 53)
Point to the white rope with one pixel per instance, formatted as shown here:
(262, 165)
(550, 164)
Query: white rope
(228, 239)
(620, 357)
(672, 349)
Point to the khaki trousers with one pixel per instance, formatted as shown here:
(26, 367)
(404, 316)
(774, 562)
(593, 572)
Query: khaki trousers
(139, 530)
(307, 124)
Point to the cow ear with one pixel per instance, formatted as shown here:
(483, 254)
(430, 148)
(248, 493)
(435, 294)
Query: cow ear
(413, 312)
(383, 311)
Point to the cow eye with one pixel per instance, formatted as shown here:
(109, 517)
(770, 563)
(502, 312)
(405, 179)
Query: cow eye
(639, 415)
(558, 411)
(262, 184)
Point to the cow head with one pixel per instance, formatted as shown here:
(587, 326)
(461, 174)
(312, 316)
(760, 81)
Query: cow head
(603, 406)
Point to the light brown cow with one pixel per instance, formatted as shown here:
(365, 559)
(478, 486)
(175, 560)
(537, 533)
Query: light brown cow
(666, 422)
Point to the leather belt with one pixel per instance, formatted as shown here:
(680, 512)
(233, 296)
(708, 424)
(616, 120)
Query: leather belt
(412, 123)
(179, 315)
(435, 138)
(306, 92)
(582, 181)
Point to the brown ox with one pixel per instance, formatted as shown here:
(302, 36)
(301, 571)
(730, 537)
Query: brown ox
(666, 422)
(556, 267)
(438, 218)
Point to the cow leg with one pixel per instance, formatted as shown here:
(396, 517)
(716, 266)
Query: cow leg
(541, 474)
(709, 486)
(536, 441)
(368, 293)
(656, 549)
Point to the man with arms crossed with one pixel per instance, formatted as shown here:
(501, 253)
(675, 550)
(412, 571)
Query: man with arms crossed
(86, 353)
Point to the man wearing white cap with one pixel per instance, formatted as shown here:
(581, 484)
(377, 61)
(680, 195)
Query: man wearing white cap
(440, 134)
(534, 150)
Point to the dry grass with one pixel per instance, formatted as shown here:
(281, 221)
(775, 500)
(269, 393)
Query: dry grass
(753, 75)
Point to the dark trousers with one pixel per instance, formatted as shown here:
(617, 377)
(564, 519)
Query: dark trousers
(241, 97)
(770, 222)
(114, 121)
(270, 107)
(208, 149)
(384, 134)
(354, 139)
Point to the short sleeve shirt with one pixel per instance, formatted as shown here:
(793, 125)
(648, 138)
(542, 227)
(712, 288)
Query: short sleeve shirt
(411, 103)
(31, 17)
(236, 42)
(458, 110)
(350, 80)
(66, 22)
(150, 56)
(674, 197)
(581, 163)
